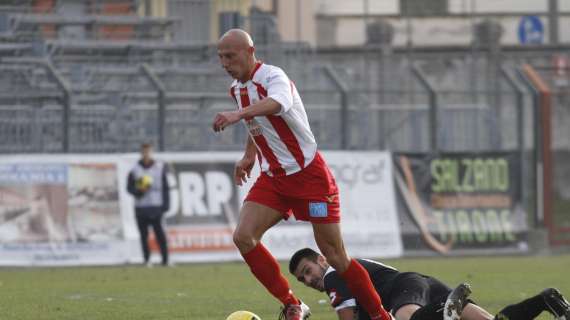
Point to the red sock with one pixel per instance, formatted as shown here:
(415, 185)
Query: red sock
(266, 269)
(359, 283)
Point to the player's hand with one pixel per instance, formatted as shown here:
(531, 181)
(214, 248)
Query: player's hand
(225, 119)
(143, 189)
(242, 171)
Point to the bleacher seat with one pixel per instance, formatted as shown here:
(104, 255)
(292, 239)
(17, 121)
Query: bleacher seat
(91, 27)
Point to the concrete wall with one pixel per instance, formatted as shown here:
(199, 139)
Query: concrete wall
(452, 30)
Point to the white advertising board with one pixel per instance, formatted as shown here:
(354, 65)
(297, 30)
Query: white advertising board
(74, 209)
(200, 225)
(61, 210)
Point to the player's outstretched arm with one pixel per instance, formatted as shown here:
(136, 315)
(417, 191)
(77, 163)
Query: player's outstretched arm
(224, 119)
(264, 107)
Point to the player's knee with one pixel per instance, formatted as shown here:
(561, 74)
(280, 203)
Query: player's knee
(243, 240)
(473, 311)
(421, 314)
(415, 316)
(408, 311)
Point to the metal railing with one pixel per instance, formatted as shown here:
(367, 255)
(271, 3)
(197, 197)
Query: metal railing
(111, 109)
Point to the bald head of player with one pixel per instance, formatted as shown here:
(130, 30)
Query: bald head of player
(237, 54)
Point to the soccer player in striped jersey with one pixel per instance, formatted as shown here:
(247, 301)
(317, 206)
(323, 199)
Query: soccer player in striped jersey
(295, 178)
(413, 296)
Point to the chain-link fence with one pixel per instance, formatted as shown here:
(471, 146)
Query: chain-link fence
(393, 102)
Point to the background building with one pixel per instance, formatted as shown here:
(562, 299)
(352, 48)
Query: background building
(419, 23)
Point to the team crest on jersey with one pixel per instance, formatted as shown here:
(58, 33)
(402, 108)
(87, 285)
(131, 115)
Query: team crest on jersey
(254, 127)
(331, 198)
(318, 209)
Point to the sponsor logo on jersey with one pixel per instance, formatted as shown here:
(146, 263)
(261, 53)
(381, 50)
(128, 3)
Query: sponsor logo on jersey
(254, 127)
(331, 198)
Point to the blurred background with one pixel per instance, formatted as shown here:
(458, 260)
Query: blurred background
(462, 86)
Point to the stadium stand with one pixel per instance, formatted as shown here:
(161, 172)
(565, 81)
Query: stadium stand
(130, 80)
(30, 26)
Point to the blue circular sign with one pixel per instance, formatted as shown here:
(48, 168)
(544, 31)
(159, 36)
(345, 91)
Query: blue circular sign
(531, 30)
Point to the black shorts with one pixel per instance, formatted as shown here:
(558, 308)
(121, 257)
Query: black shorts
(415, 288)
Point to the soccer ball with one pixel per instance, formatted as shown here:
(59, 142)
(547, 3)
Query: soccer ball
(144, 182)
(243, 315)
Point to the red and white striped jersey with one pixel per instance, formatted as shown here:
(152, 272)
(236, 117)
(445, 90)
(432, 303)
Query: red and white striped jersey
(285, 142)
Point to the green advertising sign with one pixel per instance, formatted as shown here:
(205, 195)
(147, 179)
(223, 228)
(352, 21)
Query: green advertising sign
(460, 202)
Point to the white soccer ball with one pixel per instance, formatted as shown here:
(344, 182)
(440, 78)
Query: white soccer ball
(243, 315)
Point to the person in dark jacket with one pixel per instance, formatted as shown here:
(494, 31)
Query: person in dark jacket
(148, 184)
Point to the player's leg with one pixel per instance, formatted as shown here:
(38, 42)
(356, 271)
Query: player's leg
(411, 298)
(550, 300)
(418, 297)
(160, 238)
(407, 311)
(263, 208)
(556, 303)
(254, 220)
(329, 240)
(474, 312)
(142, 224)
(434, 312)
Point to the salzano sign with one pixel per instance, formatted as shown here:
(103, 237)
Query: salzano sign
(460, 202)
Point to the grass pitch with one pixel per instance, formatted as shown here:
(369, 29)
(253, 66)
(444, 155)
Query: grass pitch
(212, 291)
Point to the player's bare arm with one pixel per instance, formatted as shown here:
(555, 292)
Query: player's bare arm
(242, 171)
(264, 107)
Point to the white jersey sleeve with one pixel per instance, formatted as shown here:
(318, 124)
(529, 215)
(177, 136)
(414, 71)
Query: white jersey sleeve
(279, 89)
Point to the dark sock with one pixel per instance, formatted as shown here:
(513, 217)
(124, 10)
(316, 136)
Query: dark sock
(525, 310)
(433, 311)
